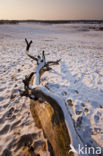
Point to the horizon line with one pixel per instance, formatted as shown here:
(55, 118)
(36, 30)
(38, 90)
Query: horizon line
(51, 19)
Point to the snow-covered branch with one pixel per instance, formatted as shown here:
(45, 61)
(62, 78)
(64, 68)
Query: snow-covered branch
(58, 119)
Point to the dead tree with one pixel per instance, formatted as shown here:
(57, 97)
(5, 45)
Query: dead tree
(48, 109)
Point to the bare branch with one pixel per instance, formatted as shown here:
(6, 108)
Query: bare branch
(28, 44)
(27, 79)
(43, 55)
(53, 62)
(27, 50)
(32, 57)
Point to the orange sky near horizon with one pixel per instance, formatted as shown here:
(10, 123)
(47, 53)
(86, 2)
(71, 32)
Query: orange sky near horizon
(51, 9)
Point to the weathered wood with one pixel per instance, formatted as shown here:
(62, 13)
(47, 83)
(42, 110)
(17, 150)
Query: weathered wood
(47, 110)
(49, 116)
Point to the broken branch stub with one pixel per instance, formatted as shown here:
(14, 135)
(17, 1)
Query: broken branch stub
(28, 44)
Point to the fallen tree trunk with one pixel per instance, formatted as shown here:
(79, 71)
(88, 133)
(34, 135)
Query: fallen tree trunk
(49, 116)
(49, 111)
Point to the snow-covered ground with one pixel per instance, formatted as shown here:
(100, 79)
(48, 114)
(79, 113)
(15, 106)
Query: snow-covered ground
(78, 79)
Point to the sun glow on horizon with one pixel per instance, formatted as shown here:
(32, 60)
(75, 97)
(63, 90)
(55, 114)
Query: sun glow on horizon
(51, 9)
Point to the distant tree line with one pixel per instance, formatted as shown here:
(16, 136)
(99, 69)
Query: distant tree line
(9, 21)
(63, 21)
(51, 21)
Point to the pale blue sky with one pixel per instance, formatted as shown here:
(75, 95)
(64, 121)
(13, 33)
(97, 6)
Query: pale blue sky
(51, 9)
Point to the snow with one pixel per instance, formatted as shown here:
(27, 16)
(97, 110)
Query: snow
(78, 77)
(36, 81)
(75, 140)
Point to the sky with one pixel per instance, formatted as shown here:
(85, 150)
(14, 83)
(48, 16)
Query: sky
(51, 9)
